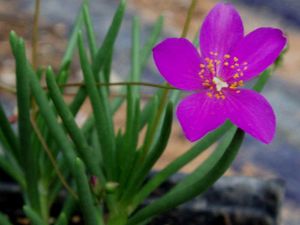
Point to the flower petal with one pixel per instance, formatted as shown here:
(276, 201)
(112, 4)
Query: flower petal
(259, 49)
(178, 61)
(252, 113)
(198, 114)
(221, 30)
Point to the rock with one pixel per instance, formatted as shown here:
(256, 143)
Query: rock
(231, 201)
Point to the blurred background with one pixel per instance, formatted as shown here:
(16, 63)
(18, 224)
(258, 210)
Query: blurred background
(281, 159)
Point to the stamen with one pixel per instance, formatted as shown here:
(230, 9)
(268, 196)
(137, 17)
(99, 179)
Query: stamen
(235, 76)
(215, 84)
(217, 61)
(209, 94)
(236, 84)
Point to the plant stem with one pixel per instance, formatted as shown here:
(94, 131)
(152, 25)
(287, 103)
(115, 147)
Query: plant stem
(157, 117)
(52, 159)
(12, 90)
(188, 18)
(164, 98)
(7, 88)
(122, 84)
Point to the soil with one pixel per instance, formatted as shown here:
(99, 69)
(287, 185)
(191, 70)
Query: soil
(232, 200)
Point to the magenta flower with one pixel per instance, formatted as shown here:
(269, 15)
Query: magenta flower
(216, 75)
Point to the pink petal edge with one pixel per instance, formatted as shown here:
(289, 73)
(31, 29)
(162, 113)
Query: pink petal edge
(259, 49)
(178, 61)
(221, 30)
(252, 113)
(198, 114)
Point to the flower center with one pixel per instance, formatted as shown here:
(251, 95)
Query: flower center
(219, 83)
(215, 64)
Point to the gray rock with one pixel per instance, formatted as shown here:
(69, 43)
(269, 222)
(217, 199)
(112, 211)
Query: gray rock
(231, 201)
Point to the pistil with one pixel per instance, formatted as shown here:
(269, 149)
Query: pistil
(219, 83)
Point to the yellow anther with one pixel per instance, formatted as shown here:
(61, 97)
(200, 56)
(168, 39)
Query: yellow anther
(217, 61)
(241, 83)
(235, 76)
(210, 65)
(236, 64)
(235, 59)
(217, 96)
(233, 85)
(223, 97)
(209, 94)
(232, 66)
(202, 65)
(226, 56)
(207, 59)
(226, 63)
